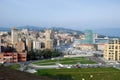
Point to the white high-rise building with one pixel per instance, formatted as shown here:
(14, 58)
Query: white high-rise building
(36, 45)
(58, 42)
(29, 44)
(14, 35)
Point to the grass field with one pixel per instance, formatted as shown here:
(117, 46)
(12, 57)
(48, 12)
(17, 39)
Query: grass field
(75, 60)
(15, 66)
(80, 73)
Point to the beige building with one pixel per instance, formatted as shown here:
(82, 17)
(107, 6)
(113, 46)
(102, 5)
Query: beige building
(112, 50)
(29, 44)
(49, 44)
(14, 35)
(101, 47)
(20, 46)
(1, 58)
(49, 36)
(85, 46)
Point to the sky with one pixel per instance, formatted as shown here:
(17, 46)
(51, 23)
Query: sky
(74, 14)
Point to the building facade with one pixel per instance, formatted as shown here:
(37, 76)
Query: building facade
(100, 47)
(49, 39)
(112, 50)
(20, 46)
(49, 44)
(14, 35)
(85, 47)
(29, 44)
(1, 58)
(36, 45)
(13, 57)
(88, 37)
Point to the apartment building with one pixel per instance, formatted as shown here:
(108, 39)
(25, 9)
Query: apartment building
(13, 57)
(14, 36)
(112, 50)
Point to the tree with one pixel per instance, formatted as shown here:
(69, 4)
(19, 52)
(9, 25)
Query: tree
(31, 55)
(47, 53)
(56, 53)
(8, 49)
(40, 54)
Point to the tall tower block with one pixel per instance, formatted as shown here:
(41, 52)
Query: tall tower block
(14, 35)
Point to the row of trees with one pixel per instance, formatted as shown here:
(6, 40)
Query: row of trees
(43, 54)
(7, 49)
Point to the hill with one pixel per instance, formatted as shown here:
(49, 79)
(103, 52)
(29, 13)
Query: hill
(11, 74)
(114, 32)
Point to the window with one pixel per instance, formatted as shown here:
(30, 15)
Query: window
(119, 42)
(14, 58)
(116, 42)
(111, 42)
(112, 46)
(42, 45)
(109, 46)
(109, 58)
(110, 50)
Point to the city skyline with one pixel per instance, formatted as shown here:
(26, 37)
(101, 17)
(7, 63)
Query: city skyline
(60, 39)
(66, 13)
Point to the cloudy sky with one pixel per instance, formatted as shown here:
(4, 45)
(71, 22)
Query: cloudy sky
(76, 14)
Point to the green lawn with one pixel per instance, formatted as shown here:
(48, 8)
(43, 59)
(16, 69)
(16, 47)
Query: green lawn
(75, 60)
(79, 73)
(15, 66)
